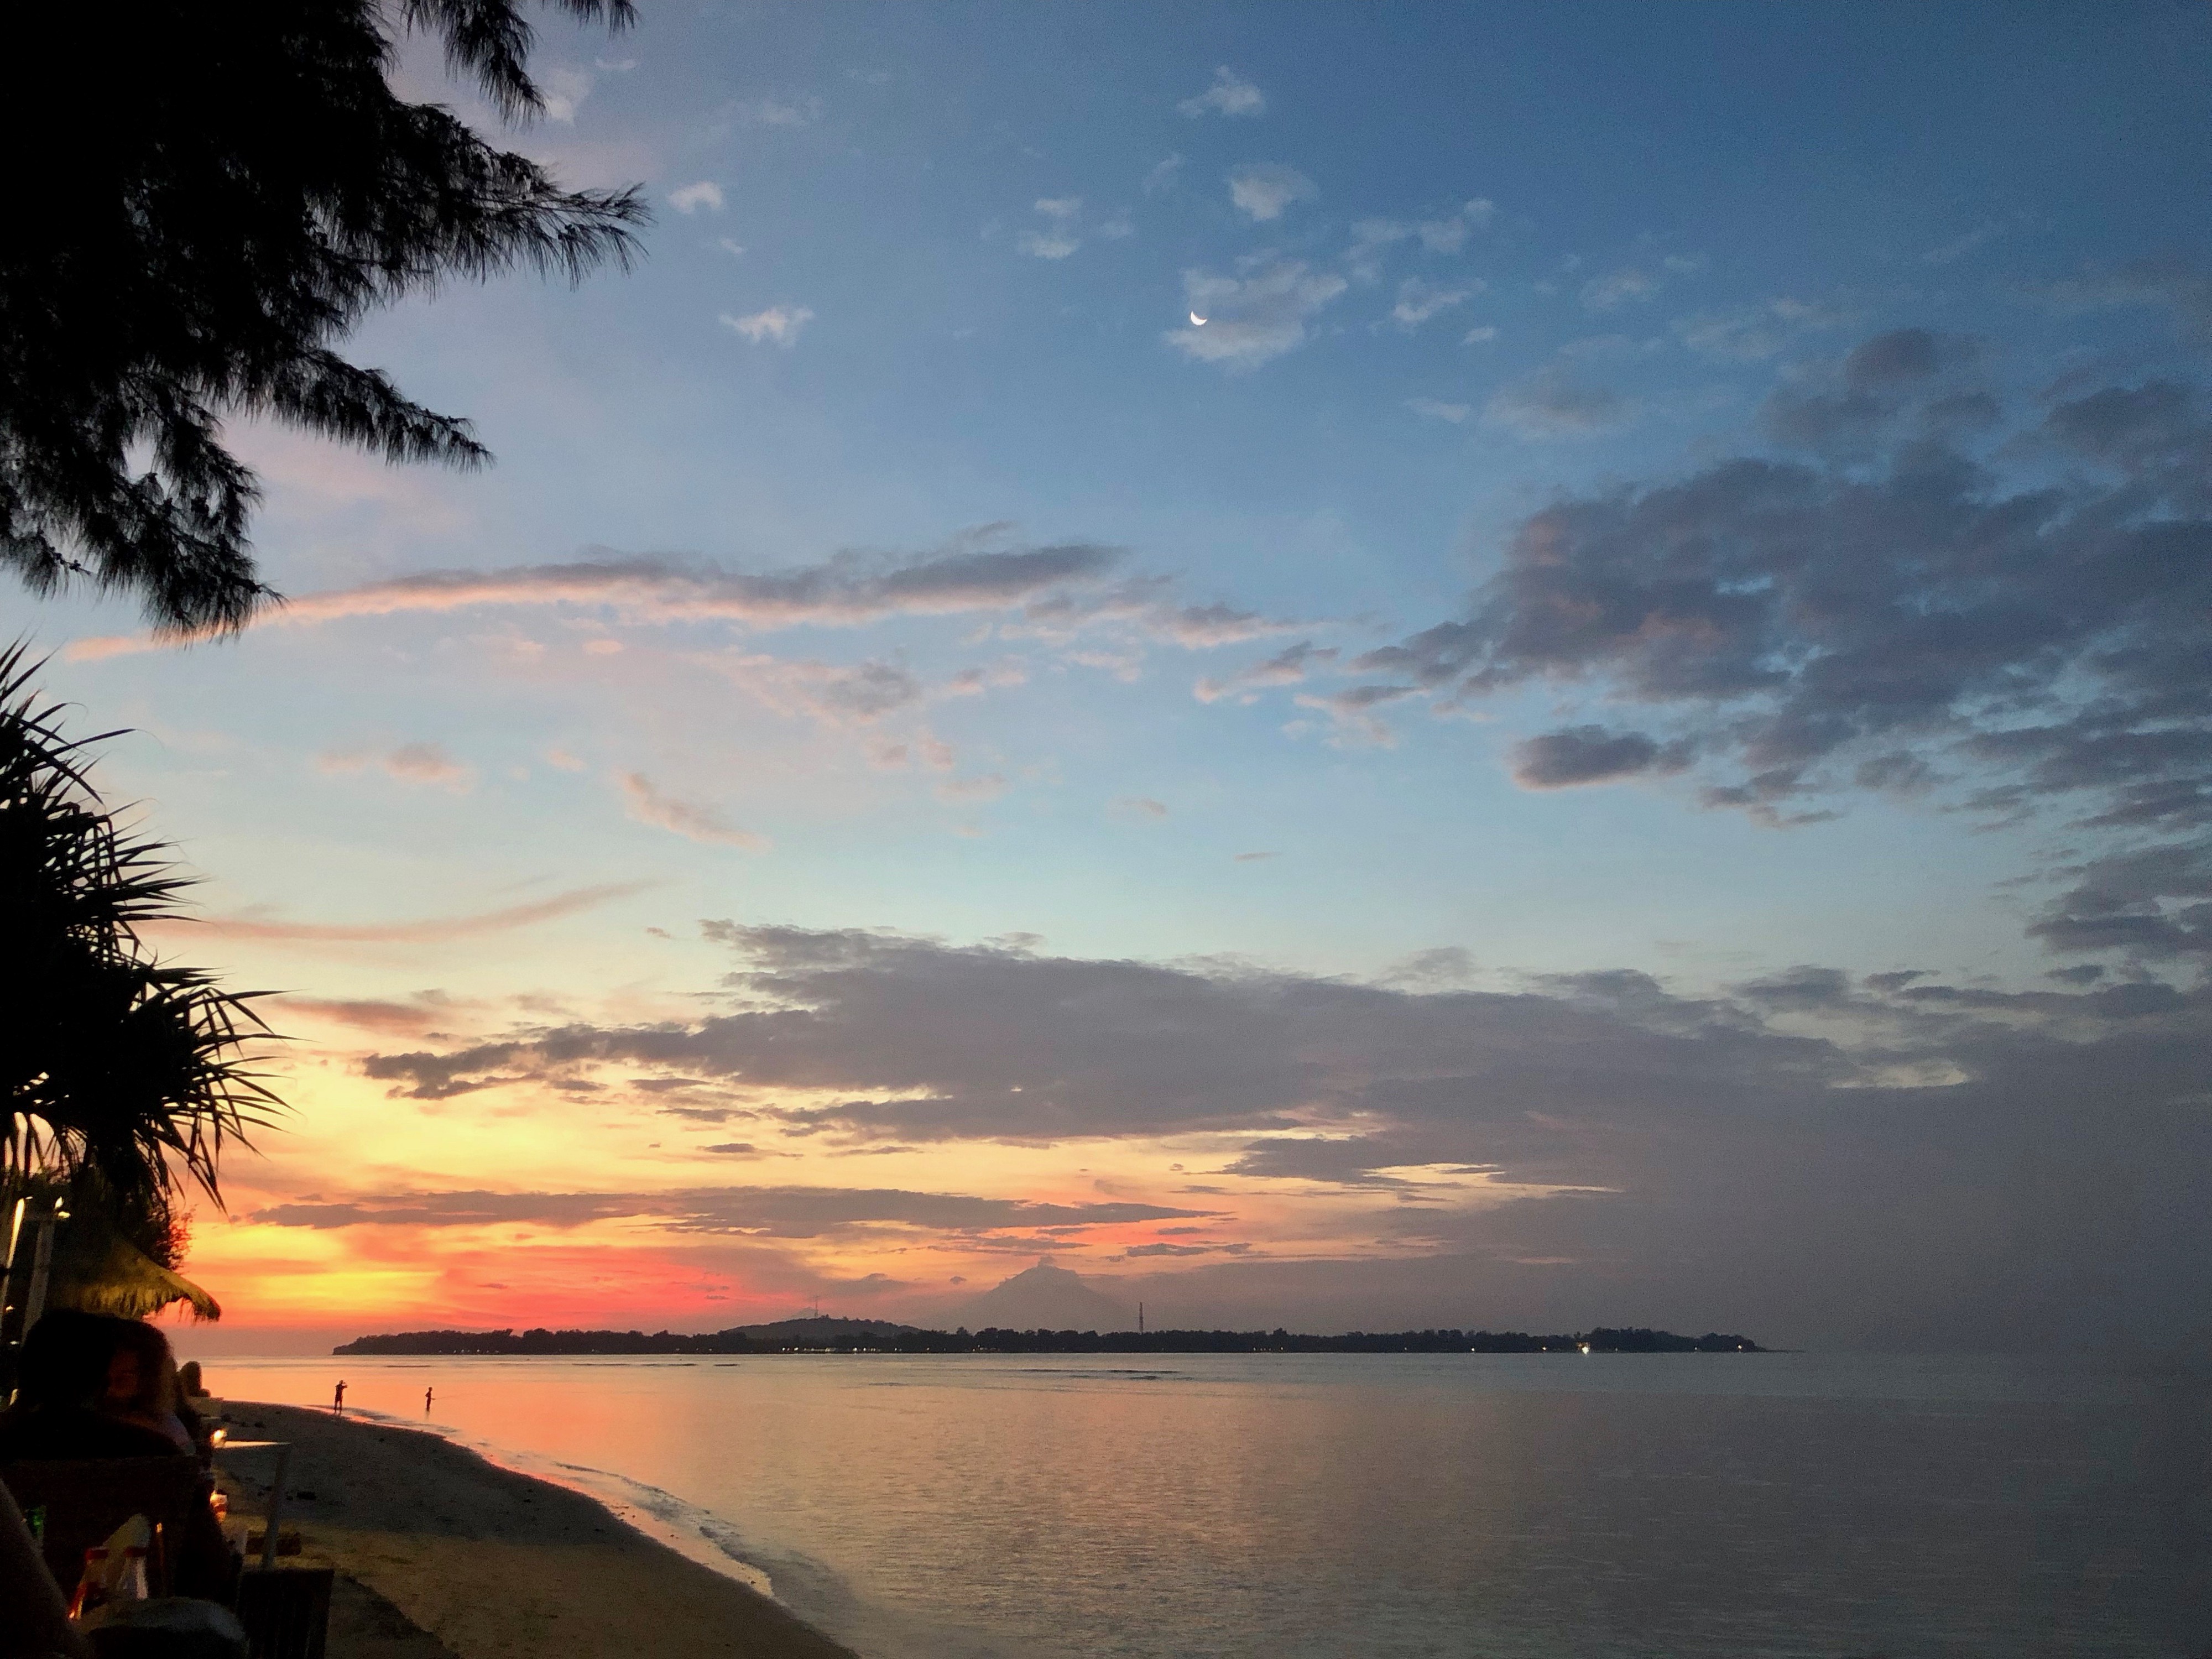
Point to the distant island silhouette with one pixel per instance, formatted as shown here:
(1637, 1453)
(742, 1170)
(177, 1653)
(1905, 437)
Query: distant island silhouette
(831, 1335)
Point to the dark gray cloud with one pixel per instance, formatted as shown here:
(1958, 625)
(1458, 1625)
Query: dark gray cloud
(770, 1211)
(1591, 754)
(2026, 620)
(1926, 589)
(2154, 902)
(1890, 1157)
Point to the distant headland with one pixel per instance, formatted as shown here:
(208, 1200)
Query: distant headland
(831, 1335)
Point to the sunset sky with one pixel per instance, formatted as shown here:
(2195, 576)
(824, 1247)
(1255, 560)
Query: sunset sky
(1619, 735)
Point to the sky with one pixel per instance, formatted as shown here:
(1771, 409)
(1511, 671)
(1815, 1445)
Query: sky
(1619, 735)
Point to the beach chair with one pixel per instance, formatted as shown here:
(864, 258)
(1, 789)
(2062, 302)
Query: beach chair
(85, 1501)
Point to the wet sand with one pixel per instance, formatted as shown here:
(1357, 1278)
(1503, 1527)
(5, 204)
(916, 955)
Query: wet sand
(442, 1555)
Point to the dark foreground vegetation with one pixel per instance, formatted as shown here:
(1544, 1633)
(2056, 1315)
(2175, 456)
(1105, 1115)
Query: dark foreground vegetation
(868, 1336)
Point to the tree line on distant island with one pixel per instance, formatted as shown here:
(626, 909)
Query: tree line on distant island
(1599, 1339)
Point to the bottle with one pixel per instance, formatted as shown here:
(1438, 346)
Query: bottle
(92, 1586)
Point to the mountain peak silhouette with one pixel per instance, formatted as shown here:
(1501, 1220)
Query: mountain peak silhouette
(1046, 1297)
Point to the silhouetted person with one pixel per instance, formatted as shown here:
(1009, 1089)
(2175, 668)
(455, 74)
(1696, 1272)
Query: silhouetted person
(61, 1385)
(142, 1387)
(426, 1402)
(68, 1364)
(337, 1398)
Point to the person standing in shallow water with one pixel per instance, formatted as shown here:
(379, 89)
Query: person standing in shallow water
(426, 1402)
(337, 1397)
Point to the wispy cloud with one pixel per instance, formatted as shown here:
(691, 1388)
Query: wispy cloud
(1418, 300)
(1051, 592)
(1960, 246)
(705, 195)
(1553, 403)
(690, 819)
(1287, 667)
(1262, 190)
(777, 324)
(1749, 333)
(1449, 233)
(411, 762)
(1255, 317)
(1437, 410)
(1057, 238)
(773, 109)
(1617, 288)
(426, 930)
(564, 91)
(1230, 94)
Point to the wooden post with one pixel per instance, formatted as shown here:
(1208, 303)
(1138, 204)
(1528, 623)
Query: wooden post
(275, 1508)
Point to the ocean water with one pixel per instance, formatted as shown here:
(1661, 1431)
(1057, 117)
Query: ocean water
(971, 1507)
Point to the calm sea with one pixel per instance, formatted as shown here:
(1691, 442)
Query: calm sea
(979, 1508)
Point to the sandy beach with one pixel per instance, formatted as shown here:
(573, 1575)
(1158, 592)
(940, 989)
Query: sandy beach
(442, 1555)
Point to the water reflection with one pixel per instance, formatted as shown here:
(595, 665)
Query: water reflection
(1330, 1504)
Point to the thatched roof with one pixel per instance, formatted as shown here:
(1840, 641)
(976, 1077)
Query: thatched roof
(122, 1280)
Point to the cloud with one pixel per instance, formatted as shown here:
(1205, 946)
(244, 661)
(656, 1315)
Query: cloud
(1353, 723)
(1617, 288)
(1139, 806)
(1889, 613)
(1588, 754)
(987, 786)
(420, 1019)
(694, 821)
(770, 110)
(1288, 667)
(846, 590)
(1958, 246)
(1449, 233)
(1255, 317)
(1230, 94)
(564, 91)
(1162, 177)
(792, 1212)
(1553, 403)
(2165, 283)
(1723, 1148)
(1478, 336)
(837, 694)
(778, 324)
(1370, 238)
(1262, 190)
(2152, 903)
(1058, 238)
(1418, 300)
(1454, 413)
(1751, 333)
(411, 762)
(705, 195)
(427, 930)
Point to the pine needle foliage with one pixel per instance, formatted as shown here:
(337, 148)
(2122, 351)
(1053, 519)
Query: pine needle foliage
(114, 1066)
(211, 197)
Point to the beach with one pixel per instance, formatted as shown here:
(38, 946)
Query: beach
(442, 1555)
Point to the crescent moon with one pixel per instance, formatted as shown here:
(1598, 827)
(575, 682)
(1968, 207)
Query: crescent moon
(1197, 321)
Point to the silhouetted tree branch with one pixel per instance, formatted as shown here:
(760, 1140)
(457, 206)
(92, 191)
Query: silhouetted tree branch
(208, 199)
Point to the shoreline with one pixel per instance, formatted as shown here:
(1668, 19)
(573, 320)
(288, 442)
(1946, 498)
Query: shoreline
(461, 1556)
